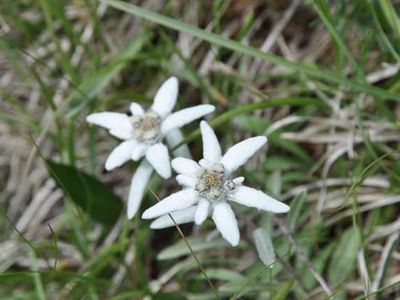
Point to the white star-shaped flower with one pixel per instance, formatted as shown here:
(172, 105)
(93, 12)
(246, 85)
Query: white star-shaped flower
(209, 187)
(143, 133)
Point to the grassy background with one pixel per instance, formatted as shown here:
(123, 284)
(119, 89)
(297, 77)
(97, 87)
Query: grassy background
(320, 80)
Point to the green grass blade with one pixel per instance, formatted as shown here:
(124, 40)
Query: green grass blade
(380, 32)
(97, 81)
(36, 278)
(62, 57)
(253, 107)
(248, 50)
(391, 16)
(323, 11)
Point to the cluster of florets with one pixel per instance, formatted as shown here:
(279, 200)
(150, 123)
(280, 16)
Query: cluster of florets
(147, 127)
(213, 183)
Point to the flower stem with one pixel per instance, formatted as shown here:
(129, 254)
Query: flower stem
(190, 249)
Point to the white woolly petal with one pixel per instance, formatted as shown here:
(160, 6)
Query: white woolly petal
(180, 217)
(238, 180)
(165, 98)
(184, 166)
(255, 198)
(121, 134)
(211, 147)
(185, 116)
(139, 151)
(202, 210)
(226, 223)
(205, 164)
(176, 201)
(175, 137)
(118, 124)
(121, 154)
(138, 186)
(109, 120)
(186, 180)
(158, 157)
(238, 154)
(136, 109)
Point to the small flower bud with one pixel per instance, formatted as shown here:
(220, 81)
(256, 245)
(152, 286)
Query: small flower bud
(230, 185)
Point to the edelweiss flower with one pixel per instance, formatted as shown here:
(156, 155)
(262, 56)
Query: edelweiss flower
(143, 133)
(208, 187)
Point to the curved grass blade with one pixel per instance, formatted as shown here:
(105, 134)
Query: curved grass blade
(253, 107)
(248, 50)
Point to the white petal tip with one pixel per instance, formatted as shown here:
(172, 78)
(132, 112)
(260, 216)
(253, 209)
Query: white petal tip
(136, 109)
(285, 208)
(238, 154)
(111, 165)
(158, 156)
(96, 118)
(258, 199)
(147, 215)
(204, 125)
(198, 221)
(130, 214)
(172, 82)
(261, 139)
(226, 223)
(281, 210)
(210, 108)
(234, 243)
(108, 167)
(89, 118)
(165, 175)
(155, 225)
(238, 180)
(203, 163)
(175, 161)
(206, 109)
(173, 79)
(183, 165)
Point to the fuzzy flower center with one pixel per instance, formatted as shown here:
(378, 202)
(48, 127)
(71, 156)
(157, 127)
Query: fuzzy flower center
(147, 127)
(213, 184)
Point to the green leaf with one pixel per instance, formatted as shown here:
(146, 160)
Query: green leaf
(274, 183)
(264, 246)
(96, 199)
(291, 147)
(295, 209)
(256, 125)
(198, 244)
(283, 163)
(284, 290)
(319, 260)
(168, 296)
(15, 276)
(343, 262)
(223, 274)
